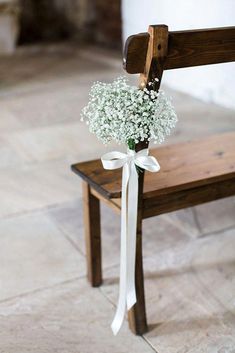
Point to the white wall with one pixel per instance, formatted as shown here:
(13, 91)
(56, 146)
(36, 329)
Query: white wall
(213, 83)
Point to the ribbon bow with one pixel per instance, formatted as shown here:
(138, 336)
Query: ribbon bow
(129, 161)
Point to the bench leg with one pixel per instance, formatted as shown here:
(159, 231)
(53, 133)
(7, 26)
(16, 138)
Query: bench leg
(137, 314)
(91, 207)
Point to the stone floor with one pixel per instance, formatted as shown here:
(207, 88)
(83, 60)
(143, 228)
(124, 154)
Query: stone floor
(46, 304)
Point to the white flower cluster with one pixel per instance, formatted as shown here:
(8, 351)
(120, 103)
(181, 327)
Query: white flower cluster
(121, 112)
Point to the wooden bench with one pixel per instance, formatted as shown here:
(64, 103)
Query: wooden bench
(191, 172)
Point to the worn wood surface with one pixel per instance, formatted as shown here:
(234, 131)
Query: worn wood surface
(187, 198)
(183, 166)
(91, 209)
(155, 57)
(185, 49)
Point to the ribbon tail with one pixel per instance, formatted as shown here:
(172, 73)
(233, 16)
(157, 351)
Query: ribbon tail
(121, 308)
(131, 235)
(129, 218)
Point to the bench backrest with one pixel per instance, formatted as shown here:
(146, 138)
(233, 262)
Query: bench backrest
(181, 48)
(149, 54)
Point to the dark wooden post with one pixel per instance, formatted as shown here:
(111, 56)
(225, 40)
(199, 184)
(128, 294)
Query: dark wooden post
(156, 53)
(91, 207)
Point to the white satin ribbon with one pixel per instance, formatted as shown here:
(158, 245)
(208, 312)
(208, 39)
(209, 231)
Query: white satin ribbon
(129, 161)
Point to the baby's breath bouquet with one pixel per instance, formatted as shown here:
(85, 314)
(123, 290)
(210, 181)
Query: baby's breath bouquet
(126, 114)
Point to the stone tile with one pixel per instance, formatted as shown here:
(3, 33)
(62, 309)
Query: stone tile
(10, 156)
(197, 324)
(48, 106)
(68, 318)
(216, 215)
(36, 186)
(57, 142)
(69, 218)
(190, 292)
(217, 254)
(184, 220)
(54, 92)
(191, 309)
(35, 254)
(8, 121)
(158, 233)
(45, 68)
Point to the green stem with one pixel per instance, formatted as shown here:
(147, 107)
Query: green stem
(131, 144)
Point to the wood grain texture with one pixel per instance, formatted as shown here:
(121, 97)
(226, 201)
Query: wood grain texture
(91, 209)
(135, 52)
(155, 57)
(185, 49)
(188, 198)
(183, 166)
(200, 47)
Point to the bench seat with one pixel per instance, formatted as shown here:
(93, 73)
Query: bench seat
(184, 166)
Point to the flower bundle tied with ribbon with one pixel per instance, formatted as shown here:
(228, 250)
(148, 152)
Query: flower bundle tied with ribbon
(129, 161)
(126, 114)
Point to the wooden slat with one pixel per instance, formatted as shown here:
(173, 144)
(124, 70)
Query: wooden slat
(135, 52)
(187, 198)
(183, 166)
(185, 49)
(177, 200)
(201, 47)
